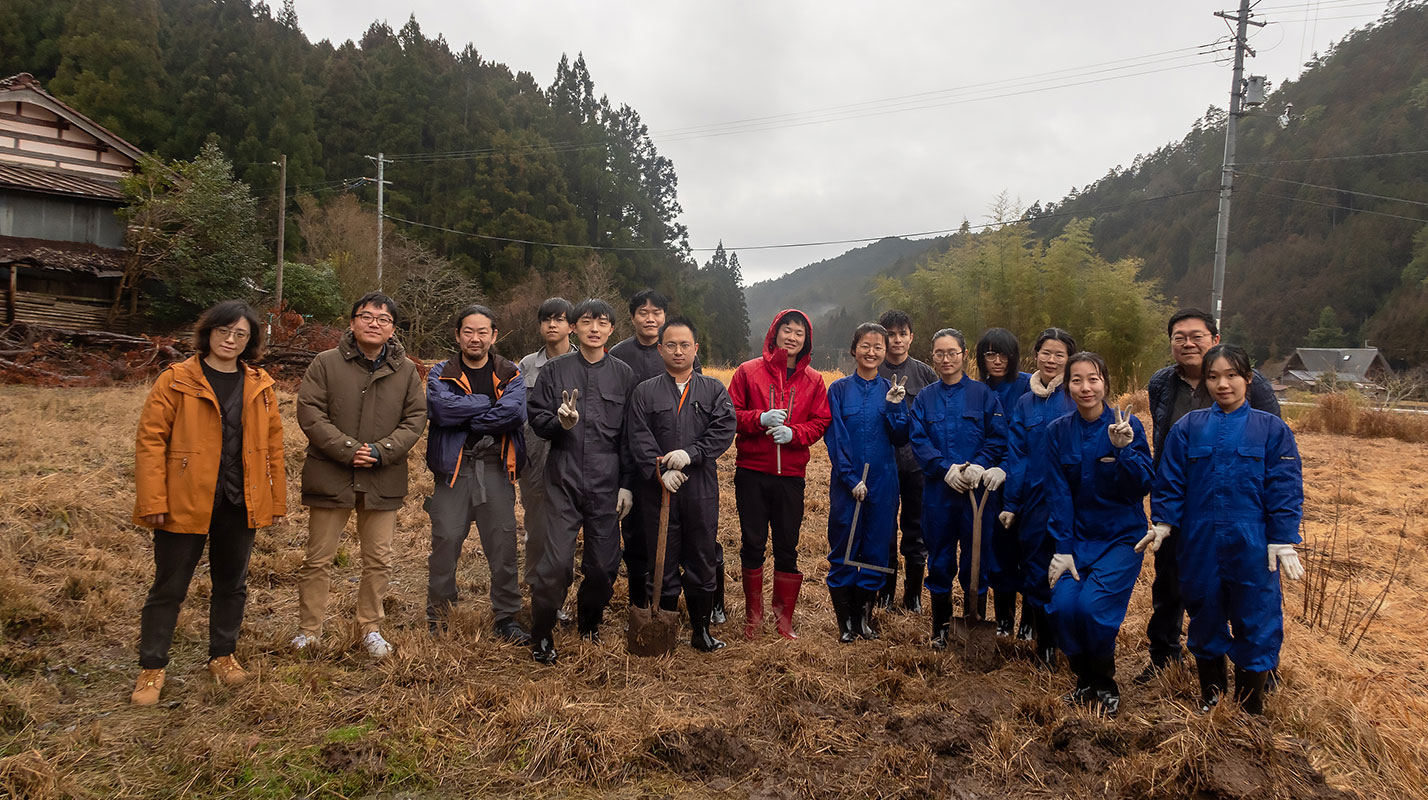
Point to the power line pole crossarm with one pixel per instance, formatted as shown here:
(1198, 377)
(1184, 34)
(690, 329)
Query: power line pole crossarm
(1227, 173)
(382, 162)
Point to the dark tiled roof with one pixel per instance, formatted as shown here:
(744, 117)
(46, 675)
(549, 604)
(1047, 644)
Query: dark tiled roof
(100, 262)
(50, 181)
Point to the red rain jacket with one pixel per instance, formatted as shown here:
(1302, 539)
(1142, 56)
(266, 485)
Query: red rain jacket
(750, 390)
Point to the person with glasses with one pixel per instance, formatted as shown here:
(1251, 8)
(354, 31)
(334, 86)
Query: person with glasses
(362, 405)
(553, 317)
(998, 366)
(208, 469)
(1175, 391)
(1025, 508)
(869, 422)
(958, 433)
(679, 423)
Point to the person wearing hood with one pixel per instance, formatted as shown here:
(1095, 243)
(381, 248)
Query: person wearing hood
(362, 406)
(208, 469)
(998, 362)
(781, 405)
(475, 450)
(1025, 509)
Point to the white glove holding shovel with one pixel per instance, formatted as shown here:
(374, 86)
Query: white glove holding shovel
(672, 480)
(1283, 555)
(860, 492)
(994, 478)
(1061, 563)
(675, 460)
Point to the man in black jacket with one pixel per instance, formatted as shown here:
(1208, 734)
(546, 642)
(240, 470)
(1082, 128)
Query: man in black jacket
(1174, 392)
(679, 424)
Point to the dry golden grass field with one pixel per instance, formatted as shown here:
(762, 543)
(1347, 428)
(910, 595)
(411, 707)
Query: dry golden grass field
(469, 716)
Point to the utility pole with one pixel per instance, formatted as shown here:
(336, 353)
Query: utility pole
(1227, 172)
(282, 227)
(381, 185)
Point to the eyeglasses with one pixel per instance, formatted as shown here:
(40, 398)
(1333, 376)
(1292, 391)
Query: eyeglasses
(238, 336)
(1052, 356)
(870, 348)
(996, 357)
(379, 319)
(678, 347)
(1180, 338)
(945, 355)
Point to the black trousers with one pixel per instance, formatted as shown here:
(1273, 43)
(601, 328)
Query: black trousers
(768, 503)
(909, 521)
(176, 555)
(635, 532)
(692, 557)
(570, 512)
(1167, 615)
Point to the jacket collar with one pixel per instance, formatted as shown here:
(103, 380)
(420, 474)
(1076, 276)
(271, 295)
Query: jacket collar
(189, 378)
(775, 357)
(392, 352)
(504, 369)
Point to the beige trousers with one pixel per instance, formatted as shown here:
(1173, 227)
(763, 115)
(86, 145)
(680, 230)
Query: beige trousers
(374, 535)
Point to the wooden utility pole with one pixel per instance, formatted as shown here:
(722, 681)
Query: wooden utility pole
(282, 228)
(1227, 171)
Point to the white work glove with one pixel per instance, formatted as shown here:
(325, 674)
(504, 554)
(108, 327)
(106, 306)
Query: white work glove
(953, 478)
(1006, 518)
(624, 501)
(1061, 563)
(994, 478)
(672, 480)
(898, 391)
(566, 413)
(782, 434)
(675, 459)
(860, 492)
(1283, 555)
(773, 418)
(960, 481)
(1155, 537)
(1121, 433)
(972, 475)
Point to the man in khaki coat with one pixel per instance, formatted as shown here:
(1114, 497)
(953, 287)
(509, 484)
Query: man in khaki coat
(362, 406)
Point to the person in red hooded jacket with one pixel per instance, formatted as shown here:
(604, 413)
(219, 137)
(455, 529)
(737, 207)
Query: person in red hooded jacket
(781, 406)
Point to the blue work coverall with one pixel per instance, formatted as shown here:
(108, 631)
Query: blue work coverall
(1025, 492)
(950, 425)
(1231, 485)
(1096, 492)
(866, 430)
(1005, 574)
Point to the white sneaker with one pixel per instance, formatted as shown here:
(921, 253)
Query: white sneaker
(377, 647)
(303, 641)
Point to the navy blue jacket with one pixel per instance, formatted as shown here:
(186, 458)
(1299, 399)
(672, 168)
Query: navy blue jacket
(455, 411)
(1162, 404)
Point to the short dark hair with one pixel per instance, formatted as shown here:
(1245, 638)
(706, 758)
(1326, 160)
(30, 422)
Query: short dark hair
(1091, 358)
(474, 308)
(792, 316)
(650, 296)
(224, 315)
(376, 299)
(955, 334)
(1233, 353)
(554, 307)
(1192, 313)
(865, 329)
(1003, 341)
(893, 318)
(679, 322)
(1056, 334)
(592, 307)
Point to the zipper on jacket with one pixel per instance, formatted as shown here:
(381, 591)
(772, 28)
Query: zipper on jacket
(184, 466)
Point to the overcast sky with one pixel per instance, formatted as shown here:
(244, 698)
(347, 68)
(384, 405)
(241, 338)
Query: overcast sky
(836, 154)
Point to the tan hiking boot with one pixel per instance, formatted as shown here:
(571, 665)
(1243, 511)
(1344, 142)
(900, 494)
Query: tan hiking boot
(147, 687)
(227, 671)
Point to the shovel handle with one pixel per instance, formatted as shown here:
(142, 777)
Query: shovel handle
(660, 545)
(975, 579)
(853, 529)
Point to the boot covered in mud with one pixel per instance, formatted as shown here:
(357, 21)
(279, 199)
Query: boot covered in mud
(842, 597)
(785, 597)
(885, 595)
(941, 619)
(1045, 638)
(1249, 690)
(1085, 691)
(867, 602)
(1004, 605)
(718, 615)
(912, 586)
(1107, 692)
(1214, 681)
(753, 602)
(543, 634)
(701, 608)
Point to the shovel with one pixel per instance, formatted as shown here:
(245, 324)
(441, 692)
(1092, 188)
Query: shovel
(852, 531)
(976, 637)
(654, 631)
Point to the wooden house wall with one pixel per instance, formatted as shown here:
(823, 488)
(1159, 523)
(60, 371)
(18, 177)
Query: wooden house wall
(30, 134)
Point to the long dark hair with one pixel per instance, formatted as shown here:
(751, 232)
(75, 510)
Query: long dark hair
(223, 315)
(1003, 341)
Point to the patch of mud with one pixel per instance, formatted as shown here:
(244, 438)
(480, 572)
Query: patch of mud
(704, 752)
(353, 757)
(950, 733)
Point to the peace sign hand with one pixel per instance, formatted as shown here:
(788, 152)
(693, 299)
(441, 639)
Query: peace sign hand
(898, 391)
(1121, 433)
(567, 413)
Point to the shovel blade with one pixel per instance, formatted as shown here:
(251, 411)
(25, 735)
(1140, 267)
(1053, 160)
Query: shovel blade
(976, 641)
(652, 632)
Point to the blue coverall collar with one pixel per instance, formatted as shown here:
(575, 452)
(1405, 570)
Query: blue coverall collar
(1243, 409)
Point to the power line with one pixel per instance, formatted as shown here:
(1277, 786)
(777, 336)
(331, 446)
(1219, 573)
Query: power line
(1337, 189)
(1336, 206)
(1333, 158)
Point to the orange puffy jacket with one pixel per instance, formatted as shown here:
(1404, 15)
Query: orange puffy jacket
(179, 442)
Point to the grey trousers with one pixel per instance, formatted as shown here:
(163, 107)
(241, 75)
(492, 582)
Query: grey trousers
(480, 494)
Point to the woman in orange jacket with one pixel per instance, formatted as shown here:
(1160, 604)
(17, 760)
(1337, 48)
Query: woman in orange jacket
(208, 467)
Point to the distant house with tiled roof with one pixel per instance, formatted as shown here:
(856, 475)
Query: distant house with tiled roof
(1311, 368)
(61, 244)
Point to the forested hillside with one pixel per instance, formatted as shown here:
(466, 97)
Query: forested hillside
(475, 147)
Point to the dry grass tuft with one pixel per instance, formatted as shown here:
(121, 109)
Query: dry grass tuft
(1346, 414)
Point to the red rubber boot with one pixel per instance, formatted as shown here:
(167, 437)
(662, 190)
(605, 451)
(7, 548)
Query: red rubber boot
(753, 602)
(785, 597)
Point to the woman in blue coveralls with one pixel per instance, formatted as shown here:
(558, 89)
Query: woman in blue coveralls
(958, 434)
(869, 424)
(1231, 483)
(1025, 509)
(1099, 472)
(998, 362)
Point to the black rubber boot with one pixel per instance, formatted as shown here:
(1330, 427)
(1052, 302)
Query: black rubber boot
(1045, 638)
(885, 594)
(912, 586)
(701, 606)
(717, 615)
(842, 597)
(1027, 631)
(1213, 681)
(1004, 605)
(587, 622)
(542, 634)
(1108, 694)
(1249, 690)
(866, 601)
(1155, 667)
(1085, 690)
(941, 619)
